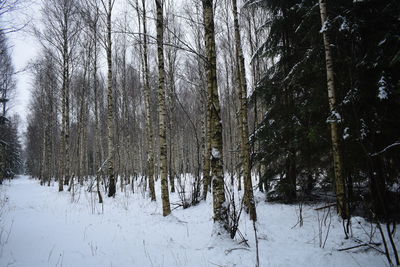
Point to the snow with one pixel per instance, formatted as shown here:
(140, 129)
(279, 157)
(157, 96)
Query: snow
(215, 153)
(345, 24)
(350, 96)
(298, 66)
(382, 88)
(50, 228)
(334, 117)
(364, 129)
(325, 27)
(395, 187)
(346, 133)
(257, 131)
(382, 42)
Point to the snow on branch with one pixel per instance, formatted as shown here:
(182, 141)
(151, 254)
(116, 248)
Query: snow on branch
(385, 149)
(382, 88)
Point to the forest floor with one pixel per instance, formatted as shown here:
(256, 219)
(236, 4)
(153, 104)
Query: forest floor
(41, 227)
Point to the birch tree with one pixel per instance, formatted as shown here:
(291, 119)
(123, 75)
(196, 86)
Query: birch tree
(91, 13)
(161, 109)
(61, 33)
(147, 98)
(333, 120)
(217, 172)
(110, 101)
(241, 72)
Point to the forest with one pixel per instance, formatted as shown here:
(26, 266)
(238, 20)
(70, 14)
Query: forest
(232, 116)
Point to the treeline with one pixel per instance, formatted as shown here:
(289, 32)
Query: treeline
(241, 89)
(11, 162)
(95, 106)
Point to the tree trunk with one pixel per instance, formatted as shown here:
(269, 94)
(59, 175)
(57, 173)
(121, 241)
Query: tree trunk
(97, 161)
(171, 118)
(64, 178)
(149, 124)
(110, 107)
(49, 143)
(248, 185)
(161, 112)
(206, 145)
(337, 159)
(217, 172)
(207, 150)
(2, 162)
(80, 139)
(44, 154)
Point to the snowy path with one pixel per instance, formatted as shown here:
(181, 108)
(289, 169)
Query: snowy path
(48, 229)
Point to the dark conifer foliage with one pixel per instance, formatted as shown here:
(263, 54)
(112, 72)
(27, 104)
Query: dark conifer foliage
(11, 158)
(294, 134)
(10, 147)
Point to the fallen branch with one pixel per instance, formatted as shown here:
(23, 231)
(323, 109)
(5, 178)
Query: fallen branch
(232, 249)
(361, 245)
(325, 207)
(216, 264)
(370, 244)
(177, 205)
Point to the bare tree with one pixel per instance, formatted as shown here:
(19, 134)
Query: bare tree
(147, 99)
(161, 108)
(7, 80)
(248, 185)
(91, 14)
(61, 33)
(110, 102)
(217, 172)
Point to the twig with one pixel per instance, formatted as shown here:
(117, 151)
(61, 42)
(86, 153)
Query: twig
(361, 245)
(107, 159)
(370, 244)
(384, 150)
(216, 264)
(325, 207)
(257, 250)
(232, 249)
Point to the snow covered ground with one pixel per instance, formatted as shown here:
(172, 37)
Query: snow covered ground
(42, 227)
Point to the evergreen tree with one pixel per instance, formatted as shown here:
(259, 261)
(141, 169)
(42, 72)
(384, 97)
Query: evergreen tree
(294, 134)
(10, 147)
